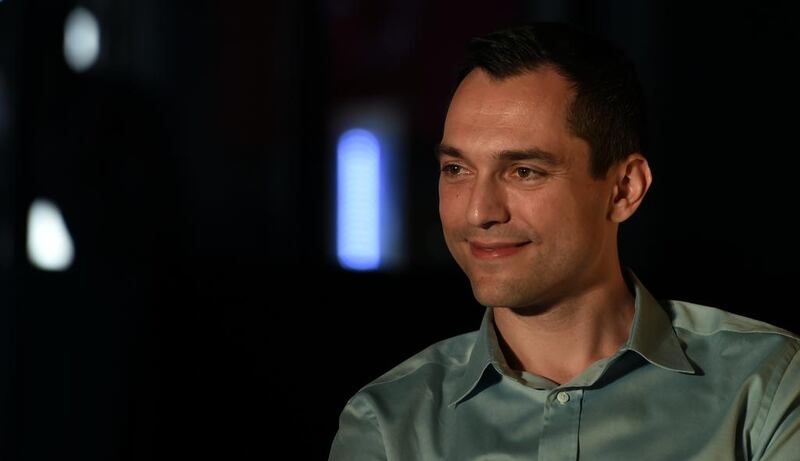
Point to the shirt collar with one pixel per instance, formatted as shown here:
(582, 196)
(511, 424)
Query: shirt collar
(480, 357)
(651, 336)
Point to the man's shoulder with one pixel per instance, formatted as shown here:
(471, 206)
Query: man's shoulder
(705, 320)
(715, 334)
(445, 356)
(431, 368)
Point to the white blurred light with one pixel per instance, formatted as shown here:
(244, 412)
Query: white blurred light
(49, 243)
(81, 39)
(358, 200)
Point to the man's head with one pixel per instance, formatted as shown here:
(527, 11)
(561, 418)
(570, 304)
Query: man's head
(606, 109)
(540, 161)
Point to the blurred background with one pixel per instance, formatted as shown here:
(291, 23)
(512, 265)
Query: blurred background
(218, 219)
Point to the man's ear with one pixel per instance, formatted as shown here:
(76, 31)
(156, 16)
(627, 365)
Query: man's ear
(632, 178)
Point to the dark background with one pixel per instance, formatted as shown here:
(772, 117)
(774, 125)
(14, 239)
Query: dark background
(205, 312)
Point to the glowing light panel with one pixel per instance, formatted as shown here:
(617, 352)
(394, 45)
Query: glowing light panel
(358, 200)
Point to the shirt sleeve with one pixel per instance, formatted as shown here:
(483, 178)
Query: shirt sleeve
(359, 437)
(781, 434)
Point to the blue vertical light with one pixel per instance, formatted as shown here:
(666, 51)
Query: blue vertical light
(358, 164)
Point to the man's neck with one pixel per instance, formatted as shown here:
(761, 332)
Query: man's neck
(561, 342)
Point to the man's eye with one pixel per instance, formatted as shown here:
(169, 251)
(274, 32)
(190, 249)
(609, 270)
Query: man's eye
(451, 169)
(526, 173)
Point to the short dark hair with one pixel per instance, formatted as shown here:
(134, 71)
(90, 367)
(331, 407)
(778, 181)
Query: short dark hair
(608, 108)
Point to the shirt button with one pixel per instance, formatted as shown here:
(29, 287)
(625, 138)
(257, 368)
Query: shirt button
(562, 398)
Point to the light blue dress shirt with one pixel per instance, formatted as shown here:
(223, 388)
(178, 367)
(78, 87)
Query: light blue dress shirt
(691, 383)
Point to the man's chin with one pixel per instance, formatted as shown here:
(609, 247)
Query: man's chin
(492, 295)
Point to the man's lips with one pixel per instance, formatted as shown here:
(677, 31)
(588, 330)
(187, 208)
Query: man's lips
(493, 250)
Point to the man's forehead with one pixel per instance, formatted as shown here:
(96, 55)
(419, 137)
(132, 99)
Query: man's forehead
(482, 107)
(534, 98)
(538, 86)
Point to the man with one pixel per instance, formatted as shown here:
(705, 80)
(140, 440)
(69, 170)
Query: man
(540, 163)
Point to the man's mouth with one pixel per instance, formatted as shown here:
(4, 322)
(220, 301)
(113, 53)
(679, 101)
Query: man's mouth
(493, 250)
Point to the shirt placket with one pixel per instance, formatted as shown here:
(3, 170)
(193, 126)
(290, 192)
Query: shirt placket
(561, 425)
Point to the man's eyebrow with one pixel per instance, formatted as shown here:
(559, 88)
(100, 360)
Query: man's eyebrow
(443, 149)
(532, 153)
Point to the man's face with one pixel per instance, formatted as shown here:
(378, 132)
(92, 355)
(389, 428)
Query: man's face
(521, 214)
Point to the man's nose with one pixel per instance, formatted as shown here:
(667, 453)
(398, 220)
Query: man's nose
(487, 204)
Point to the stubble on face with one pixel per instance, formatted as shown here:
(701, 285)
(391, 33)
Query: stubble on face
(534, 288)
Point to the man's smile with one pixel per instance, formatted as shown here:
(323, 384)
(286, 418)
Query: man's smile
(494, 250)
